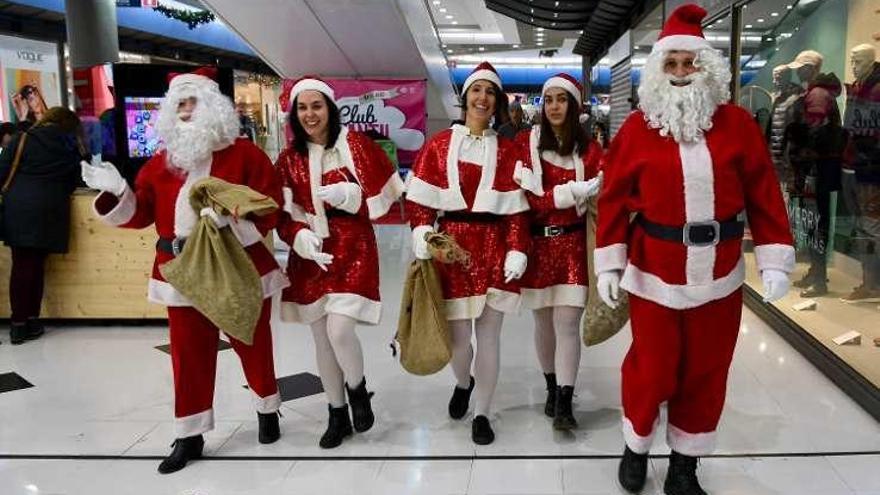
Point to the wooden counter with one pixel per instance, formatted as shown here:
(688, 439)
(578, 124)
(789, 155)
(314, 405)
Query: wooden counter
(104, 274)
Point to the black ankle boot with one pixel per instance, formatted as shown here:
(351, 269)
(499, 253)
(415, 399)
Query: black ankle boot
(633, 471)
(185, 450)
(481, 431)
(269, 431)
(35, 329)
(361, 410)
(564, 419)
(681, 478)
(461, 397)
(17, 333)
(338, 427)
(550, 405)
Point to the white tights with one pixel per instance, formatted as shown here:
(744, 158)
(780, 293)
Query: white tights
(488, 330)
(557, 340)
(339, 356)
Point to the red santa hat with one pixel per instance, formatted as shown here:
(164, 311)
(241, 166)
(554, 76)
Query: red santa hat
(311, 83)
(484, 71)
(200, 77)
(683, 30)
(566, 82)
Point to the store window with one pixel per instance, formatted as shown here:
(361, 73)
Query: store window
(644, 35)
(811, 78)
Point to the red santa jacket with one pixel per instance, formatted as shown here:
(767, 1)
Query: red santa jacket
(161, 194)
(437, 184)
(672, 184)
(549, 205)
(380, 183)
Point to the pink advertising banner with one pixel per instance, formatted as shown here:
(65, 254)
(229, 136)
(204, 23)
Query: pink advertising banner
(392, 107)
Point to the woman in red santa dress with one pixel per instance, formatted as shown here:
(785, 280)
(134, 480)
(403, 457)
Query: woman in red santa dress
(336, 181)
(561, 173)
(463, 181)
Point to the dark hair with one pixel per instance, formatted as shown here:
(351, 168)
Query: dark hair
(67, 121)
(300, 142)
(572, 135)
(502, 113)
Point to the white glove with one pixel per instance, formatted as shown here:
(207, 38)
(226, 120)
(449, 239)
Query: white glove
(336, 194)
(584, 189)
(103, 178)
(775, 284)
(307, 245)
(608, 287)
(219, 220)
(514, 265)
(420, 245)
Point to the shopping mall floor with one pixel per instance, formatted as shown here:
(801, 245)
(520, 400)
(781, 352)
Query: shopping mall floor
(98, 420)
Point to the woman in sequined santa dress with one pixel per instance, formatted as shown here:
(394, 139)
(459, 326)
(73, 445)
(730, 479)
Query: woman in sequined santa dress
(463, 181)
(560, 175)
(336, 181)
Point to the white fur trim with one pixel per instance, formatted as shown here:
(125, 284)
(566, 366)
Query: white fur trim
(681, 42)
(469, 308)
(426, 194)
(317, 221)
(312, 85)
(353, 199)
(124, 210)
(692, 444)
(636, 442)
(296, 211)
(563, 198)
(362, 309)
(608, 258)
(193, 79)
(555, 295)
(161, 292)
(775, 257)
(484, 74)
(500, 202)
(267, 405)
(379, 204)
(245, 231)
(195, 424)
(502, 300)
(561, 82)
(185, 217)
(699, 200)
(535, 156)
(649, 286)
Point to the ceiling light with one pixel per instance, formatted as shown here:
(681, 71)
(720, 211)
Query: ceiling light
(516, 46)
(789, 7)
(436, 2)
(540, 43)
(774, 14)
(443, 10)
(444, 46)
(450, 16)
(454, 22)
(760, 20)
(581, 31)
(748, 26)
(449, 51)
(482, 48)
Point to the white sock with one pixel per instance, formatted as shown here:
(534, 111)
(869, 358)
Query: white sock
(566, 323)
(488, 330)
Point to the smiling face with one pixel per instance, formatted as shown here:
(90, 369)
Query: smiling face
(679, 64)
(313, 115)
(556, 102)
(186, 107)
(481, 100)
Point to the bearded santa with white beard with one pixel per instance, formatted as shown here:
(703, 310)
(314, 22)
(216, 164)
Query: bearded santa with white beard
(687, 164)
(199, 130)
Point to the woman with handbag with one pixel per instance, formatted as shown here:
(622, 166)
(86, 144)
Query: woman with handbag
(335, 182)
(40, 170)
(463, 181)
(561, 174)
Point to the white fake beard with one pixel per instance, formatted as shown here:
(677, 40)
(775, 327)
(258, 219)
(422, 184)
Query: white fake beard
(683, 112)
(191, 145)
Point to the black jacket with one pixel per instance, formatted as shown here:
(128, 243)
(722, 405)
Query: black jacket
(36, 207)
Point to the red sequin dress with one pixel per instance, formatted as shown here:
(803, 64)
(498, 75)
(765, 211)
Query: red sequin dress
(350, 286)
(465, 183)
(557, 271)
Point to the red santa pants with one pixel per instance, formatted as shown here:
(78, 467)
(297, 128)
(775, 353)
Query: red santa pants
(194, 361)
(680, 357)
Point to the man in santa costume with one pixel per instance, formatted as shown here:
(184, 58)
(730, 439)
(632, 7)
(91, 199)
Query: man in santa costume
(686, 164)
(199, 129)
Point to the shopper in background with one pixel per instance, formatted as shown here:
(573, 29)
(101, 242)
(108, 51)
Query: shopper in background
(516, 123)
(7, 131)
(36, 210)
(686, 164)
(466, 174)
(335, 181)
(560, 175)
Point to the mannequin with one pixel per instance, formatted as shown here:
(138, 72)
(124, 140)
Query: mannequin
(787, 108)
(815, 155)
(861, 176)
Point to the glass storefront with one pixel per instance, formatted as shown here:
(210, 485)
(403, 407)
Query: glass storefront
(809, 75)
(256, 101)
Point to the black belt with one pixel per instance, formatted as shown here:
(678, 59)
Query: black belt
(336, 213)
(462, 216)
(695, 233)
(172, 246)
(556, 230)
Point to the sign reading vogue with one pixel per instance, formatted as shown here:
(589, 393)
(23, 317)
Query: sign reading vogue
(29, 80)
(393, 108)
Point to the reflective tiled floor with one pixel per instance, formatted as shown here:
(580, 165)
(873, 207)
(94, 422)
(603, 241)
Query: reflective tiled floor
(99, 416)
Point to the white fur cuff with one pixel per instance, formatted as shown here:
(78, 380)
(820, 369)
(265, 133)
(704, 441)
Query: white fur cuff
(608, 258)
(353, 197)
(775, 256)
